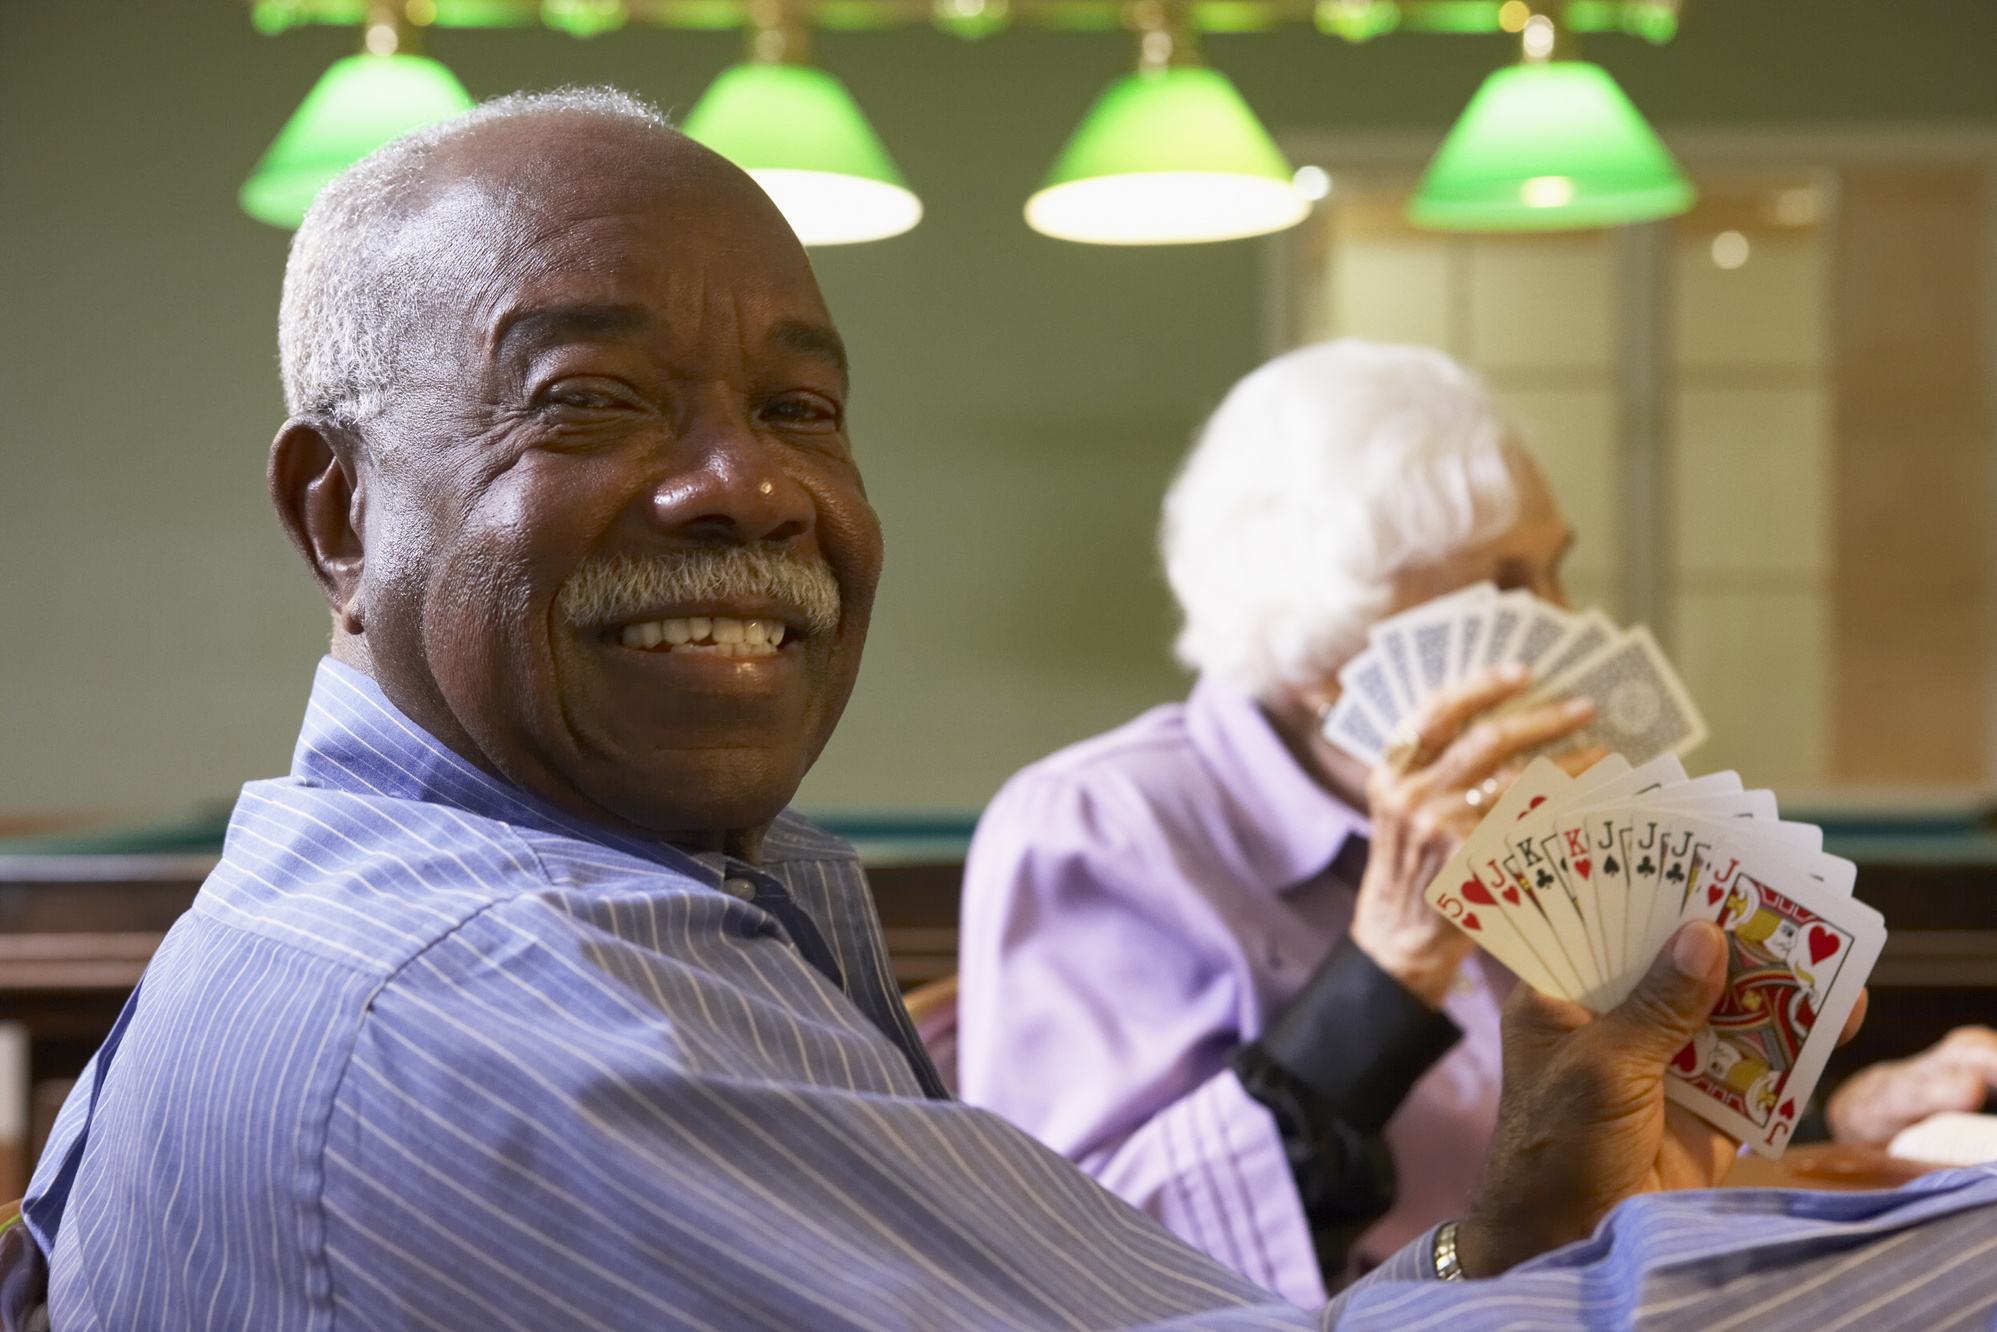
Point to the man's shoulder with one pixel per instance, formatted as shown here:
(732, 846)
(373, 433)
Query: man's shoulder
(369, 881)
(793, 837)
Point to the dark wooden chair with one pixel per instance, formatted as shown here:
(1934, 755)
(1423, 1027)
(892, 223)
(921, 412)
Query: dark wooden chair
(24, 1277)
(934, 1009)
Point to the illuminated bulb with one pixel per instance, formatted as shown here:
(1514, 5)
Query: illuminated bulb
(826, 208)
(1547, 192)
(1538, 38)
(1311, 182)
(1513, 14)
(1730, 249)
(1165, 208)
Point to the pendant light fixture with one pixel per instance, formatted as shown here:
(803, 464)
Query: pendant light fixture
(358, 105)
(1167, 155)
(799, 133)
(1549, 144)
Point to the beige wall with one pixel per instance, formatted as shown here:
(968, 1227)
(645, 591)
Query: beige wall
(1913, 477)
(1020, 401)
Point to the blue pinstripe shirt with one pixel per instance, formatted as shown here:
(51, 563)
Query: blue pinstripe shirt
(427, 1053)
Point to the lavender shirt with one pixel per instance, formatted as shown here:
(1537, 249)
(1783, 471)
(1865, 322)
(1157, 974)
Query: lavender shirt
(1138, 905)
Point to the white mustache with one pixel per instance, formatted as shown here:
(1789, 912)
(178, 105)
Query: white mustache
(606, 591)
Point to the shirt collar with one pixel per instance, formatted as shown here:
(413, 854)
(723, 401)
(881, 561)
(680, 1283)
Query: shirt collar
(1288, 826)
(355, 740)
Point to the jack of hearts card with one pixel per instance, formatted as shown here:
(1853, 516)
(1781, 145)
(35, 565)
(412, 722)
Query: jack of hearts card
(1796, 963)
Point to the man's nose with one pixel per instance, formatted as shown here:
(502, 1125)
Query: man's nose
(728, 483)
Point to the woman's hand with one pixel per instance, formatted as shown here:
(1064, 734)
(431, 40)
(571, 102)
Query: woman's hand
(1959, 1073)
(1419, 800)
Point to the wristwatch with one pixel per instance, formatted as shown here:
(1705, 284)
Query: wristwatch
(1446, 1266)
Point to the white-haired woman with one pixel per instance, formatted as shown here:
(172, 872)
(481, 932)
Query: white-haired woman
(1195, 955)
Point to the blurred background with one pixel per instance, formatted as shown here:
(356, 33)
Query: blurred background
(1769, 418)
(1021, 401)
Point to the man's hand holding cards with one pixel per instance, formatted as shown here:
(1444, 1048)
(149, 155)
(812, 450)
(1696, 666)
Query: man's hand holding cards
(1577, 883)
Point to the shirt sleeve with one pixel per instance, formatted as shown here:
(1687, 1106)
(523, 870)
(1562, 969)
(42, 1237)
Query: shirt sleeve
(1413, 1262)
(544, 1125)
(1769, 1259)
(1331, 1071)
(1100, 1003)
(1213, 1168)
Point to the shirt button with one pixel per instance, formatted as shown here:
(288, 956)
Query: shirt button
(741, 888)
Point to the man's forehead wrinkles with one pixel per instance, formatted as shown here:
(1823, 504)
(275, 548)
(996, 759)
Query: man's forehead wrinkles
(753, 329)
(808, 339)
(589, 279)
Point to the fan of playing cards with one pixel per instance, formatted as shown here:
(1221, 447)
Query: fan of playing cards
(1576, 884)
(1641, 710)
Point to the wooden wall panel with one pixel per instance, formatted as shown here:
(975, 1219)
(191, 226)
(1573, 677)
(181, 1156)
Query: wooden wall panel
(1912, 480)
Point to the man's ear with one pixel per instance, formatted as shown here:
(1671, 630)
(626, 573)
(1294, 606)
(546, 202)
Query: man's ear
(316, 484)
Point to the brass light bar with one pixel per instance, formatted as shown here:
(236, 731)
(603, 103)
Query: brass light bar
(1655, 21)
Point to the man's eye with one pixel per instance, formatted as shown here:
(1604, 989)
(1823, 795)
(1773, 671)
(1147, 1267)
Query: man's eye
(802, 410)
(585, 397)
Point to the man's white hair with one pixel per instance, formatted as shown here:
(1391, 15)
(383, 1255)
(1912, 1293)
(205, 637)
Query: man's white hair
(1322, 475)
(359, 282)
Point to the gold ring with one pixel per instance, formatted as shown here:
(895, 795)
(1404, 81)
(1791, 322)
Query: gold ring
(1403, 752)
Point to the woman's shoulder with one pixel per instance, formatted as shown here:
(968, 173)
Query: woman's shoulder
(1141, 764)
(1135, 797)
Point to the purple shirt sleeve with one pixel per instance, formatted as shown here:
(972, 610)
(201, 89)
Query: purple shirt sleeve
(1139, 906)
(1087, 963)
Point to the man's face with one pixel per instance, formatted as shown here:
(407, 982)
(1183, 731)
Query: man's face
(638, 370)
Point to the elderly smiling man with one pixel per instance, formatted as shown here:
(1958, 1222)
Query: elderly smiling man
(523, 1003)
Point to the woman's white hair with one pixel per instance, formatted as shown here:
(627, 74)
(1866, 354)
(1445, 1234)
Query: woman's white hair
(359, 281)
(1321, 476)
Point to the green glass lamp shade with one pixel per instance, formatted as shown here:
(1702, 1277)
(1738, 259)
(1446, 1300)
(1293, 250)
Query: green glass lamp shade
(800, 134)
(1549, 147)
(358, 105)
(1167, 156)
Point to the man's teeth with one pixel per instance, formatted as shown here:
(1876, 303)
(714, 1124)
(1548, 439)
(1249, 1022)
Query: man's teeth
(715, 635)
